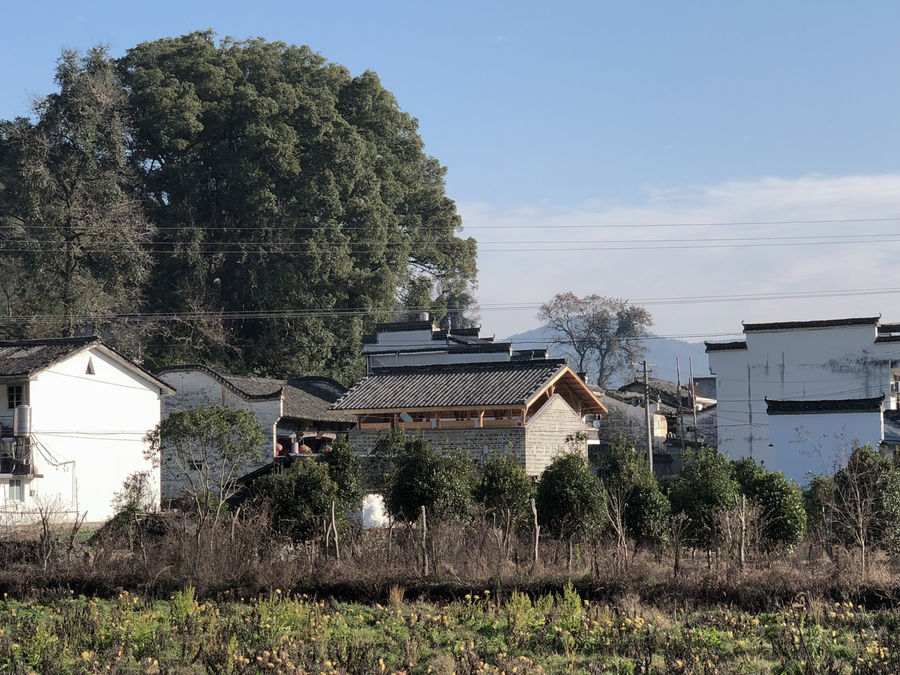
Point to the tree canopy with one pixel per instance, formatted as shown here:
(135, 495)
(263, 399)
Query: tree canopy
(243, 193)
(74, 241)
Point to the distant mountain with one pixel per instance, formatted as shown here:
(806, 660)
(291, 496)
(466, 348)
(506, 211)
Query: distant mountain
(661, 352)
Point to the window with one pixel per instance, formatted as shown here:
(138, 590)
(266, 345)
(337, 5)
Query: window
(15, 395)
(16, 490)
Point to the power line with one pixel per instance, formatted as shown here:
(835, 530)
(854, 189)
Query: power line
(520, 306)
(573, 246)
(344, 228)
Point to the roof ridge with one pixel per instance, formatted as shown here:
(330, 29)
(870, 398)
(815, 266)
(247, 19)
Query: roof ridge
(475, 365)
(83, 339)
(222, 378)
(816, 323)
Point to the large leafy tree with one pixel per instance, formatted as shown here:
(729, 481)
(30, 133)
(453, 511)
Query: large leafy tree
(705, 489)
(279, 181)
(72, 232)
(603, 334)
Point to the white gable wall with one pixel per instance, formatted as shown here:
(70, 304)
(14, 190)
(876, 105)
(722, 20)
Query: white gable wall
(842, 362)
(820, 443)
(195, 388)
(88, 433)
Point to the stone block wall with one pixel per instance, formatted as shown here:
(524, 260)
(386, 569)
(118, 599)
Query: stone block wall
(535, 445)
(479, 443)
(547, 434)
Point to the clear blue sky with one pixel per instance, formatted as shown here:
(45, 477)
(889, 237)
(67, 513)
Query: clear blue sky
(543, 108)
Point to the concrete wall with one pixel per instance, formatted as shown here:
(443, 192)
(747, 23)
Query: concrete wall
(798, 364)
(195, 388)
(819, 443)
(88, 436)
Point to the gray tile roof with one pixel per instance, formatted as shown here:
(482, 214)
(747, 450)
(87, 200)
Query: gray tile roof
(844, 405)
(497, 384)
(306, 398)
(22, 358)
(822, 323)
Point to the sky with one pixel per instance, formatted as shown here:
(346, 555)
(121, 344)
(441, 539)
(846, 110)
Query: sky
(578, 135)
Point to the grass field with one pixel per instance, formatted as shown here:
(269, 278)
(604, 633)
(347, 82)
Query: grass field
(476, 634)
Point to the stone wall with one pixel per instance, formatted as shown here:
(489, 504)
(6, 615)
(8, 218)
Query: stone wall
(547, 434)
(479, 443)
(535, 445)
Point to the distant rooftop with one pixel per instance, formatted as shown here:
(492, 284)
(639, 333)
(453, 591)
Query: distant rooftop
(462, 385)
(824, 323)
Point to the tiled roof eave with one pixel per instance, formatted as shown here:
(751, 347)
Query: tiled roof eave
(223, 380)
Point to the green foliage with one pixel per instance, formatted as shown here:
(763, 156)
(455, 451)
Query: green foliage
(782, 514)
(646, 516)
(570, 499)
(345, 469)
(205, 449)
(74, 238)
(282, 632)
(625, 477)
(278, 180)
(817, 502)
(704, 489)
(300, 499)
(421, 475)
(504, 486)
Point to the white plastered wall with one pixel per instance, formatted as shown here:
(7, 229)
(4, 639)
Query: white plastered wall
(195, 388)
(832, 363)
(819, 443)
(88, 435)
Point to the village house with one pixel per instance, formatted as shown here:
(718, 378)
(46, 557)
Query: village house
(798, 395)
(295, 414)
(74, 420)
(626, 420)
(421, 343)
(535, 409)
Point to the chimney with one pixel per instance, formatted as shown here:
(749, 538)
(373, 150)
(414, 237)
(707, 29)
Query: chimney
(423, 316)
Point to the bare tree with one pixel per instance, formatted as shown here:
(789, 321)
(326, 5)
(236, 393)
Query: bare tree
(604, 334)
(862, 503)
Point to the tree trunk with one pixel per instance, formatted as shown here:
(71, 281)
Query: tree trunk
(537, 536)
(337, 544)
(424, 528)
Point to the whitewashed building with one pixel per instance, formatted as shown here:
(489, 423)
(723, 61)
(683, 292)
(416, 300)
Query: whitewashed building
(295, 414)
(73, 421)
(798, 395)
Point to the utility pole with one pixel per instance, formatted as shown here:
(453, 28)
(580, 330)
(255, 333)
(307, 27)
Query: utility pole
(680, 413)
(647, 415)
(693, 395)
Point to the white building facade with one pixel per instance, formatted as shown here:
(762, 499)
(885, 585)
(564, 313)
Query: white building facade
(294, 414)
(84, 412)
(797, 396)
